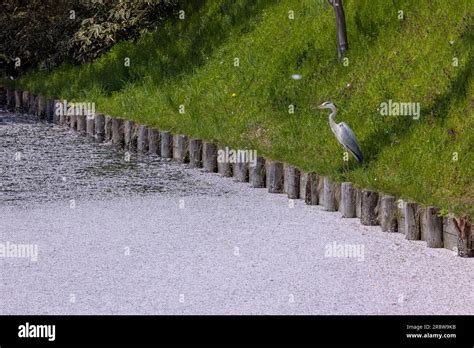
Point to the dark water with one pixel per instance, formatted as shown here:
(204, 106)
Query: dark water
(44, 162)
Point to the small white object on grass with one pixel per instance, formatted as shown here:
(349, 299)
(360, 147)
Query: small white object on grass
(296, 77)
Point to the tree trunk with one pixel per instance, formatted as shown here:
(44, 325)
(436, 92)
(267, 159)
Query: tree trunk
(341, 32)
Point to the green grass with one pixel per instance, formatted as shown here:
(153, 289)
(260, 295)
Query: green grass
(190, 62)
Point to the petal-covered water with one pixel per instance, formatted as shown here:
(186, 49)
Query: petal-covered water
(43, 162)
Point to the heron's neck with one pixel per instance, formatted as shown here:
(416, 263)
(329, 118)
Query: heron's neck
(331, 117)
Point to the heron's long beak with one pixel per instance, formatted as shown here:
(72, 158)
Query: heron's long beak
(319, 107)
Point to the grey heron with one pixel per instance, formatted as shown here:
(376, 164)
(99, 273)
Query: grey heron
(343, 132)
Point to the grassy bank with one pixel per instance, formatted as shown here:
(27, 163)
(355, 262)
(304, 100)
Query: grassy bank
(190, 62)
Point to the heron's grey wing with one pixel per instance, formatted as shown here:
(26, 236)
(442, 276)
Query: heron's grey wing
(349, 140)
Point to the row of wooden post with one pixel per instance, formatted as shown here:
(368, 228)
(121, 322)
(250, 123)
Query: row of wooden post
(372, 208)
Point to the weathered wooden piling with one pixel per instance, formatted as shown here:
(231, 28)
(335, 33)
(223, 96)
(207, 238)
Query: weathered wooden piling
(99, 127)
(303, 179)
(241, 171)
(18, 101)
(195, 153)
(41, 112)
(209, 157)
(154, 141)
(117, 132)
(368, 213)
(33, 104)
(434, 228)
(180, 148)
(25, 101)
(401, 216)
(348, 200)
(129, 135)
(329, 194)
(450, 233)
(388, 214)
(320, 190)
(108, 129)
(412, 221)
(57, 111)
(10, 99)
(257, 173)
(224, 167)
(458, 235)
(90, 126)
(464, 228)
(293, 182)
(166, 144)
(422, 222)
(81, 121)
(142, 138)
(275, 177)
(73, 121)
(50, 110)
(358, 202)
(311, 193)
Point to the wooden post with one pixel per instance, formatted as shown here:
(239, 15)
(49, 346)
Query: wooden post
(18, 101)
(73, 121)
(209, 157)
(348, 200)
(129, 137)
(241, 171)
(195, 153)
(320, 190)
(25, 101)
(90, 126)
(257, 173)
(117, 132)
(285, 178)
(450, 233)
(311, 193)
(275, 177)
(142, 139)
(10, 102)
(108, 129)
(99, 127)
(422, 223)
(388, 214)
(401, 216)
(412, 221)
(329, 194)
(166, 144)
(224, 167)
(337, 195)
(33, 106)
(368, 213)
(293, 179)
(81, 124)
(57, 110)
(154, 141)
(465, 236)
(303, 180)
(358, 202)
(180, 148)
(50, 110)
(41, 107)
(434, 223)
